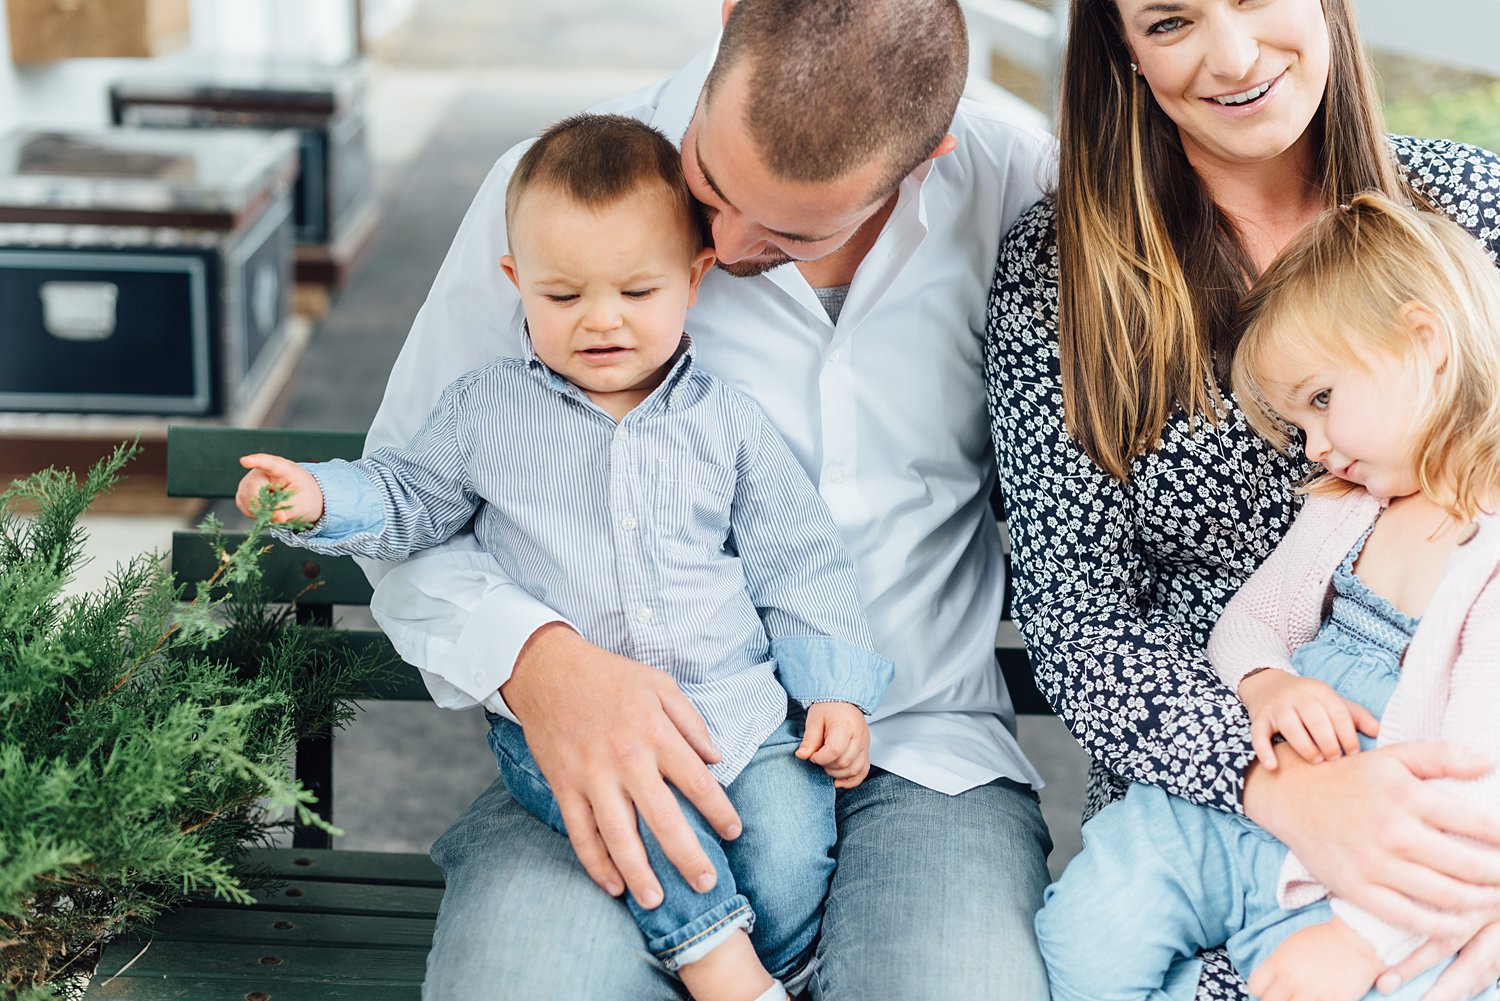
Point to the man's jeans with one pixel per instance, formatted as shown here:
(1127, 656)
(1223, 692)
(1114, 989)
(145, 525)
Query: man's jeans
(782, 860)
(934, 897)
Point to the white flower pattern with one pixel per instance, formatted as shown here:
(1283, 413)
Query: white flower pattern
(1116, 586)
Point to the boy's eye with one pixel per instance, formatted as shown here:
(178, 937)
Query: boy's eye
(562, 297)
(639, 293)
(1319, 399)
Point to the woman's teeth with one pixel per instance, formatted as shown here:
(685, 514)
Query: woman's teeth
(1245, 96)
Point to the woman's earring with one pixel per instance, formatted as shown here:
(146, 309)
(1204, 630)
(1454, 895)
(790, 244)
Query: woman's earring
(1134, 68)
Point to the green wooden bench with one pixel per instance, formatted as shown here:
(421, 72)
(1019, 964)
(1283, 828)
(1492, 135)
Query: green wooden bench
(343, 924)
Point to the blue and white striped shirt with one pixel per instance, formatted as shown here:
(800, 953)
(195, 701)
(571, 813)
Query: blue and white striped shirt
(686, 536)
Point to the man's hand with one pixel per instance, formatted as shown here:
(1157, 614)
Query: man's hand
(838, 738)
(608, 734)
(1323, 962)
(1373, 831)
(1317, 721)
(305, 502)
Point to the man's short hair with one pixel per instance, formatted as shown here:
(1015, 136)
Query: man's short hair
(836, 83)
(596, 160)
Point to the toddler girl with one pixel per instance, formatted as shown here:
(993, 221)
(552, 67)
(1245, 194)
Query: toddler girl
(1377, 333)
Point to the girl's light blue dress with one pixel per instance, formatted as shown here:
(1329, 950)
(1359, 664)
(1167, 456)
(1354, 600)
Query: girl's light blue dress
(1160, 878)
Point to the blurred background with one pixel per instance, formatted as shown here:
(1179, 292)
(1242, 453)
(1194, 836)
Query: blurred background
(333, 147)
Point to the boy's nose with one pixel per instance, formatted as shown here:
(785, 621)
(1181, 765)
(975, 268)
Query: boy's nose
(601, 316)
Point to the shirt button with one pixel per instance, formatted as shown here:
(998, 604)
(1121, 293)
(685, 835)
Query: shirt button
(627, 523)
(478, 679)
(835, 355)
(623, 433)
(643, 615)
(835, 474)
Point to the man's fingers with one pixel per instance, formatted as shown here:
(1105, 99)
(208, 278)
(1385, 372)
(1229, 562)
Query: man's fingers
(688, 775)
(617, 827)
(578, 821)
(689, 722)
(662, 815)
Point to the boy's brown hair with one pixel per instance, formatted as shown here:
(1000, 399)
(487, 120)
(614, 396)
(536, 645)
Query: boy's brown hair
(598, 159)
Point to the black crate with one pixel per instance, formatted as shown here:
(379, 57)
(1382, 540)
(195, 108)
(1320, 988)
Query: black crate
(142, 272)
(324, 104)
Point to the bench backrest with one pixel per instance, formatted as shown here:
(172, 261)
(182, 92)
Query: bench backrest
(203, 462)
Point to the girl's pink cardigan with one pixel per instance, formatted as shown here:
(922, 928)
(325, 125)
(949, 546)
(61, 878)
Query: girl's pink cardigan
(1450, 676)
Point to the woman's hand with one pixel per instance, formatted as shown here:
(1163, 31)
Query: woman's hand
(1474, 969)
(1373, 831)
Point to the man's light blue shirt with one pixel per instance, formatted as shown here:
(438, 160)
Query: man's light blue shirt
(685, 536)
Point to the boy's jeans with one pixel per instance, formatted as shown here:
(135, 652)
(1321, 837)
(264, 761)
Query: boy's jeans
(782, 861)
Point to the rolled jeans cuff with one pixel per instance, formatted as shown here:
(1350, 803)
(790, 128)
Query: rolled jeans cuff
(703, 934)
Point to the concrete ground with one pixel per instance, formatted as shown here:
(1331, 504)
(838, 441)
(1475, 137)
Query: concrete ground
(451, 90)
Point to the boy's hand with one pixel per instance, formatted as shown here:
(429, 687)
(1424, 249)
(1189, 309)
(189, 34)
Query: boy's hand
(1318, 722)
(1323, 962)
(837, 738)
(306, 500)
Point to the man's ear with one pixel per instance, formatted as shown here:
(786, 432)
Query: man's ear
(947, 145)
(724, 9)
(508, 265)
(702, 261)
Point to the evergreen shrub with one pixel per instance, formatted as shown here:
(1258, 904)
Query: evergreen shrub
(145, 729)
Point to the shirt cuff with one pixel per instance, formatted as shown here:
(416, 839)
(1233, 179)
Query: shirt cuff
(352, 504)
(823, 669)
(451, 615)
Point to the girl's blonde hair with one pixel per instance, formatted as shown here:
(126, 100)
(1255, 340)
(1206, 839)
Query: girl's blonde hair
(1340, 292)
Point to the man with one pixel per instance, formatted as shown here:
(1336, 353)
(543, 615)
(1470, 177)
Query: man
(856, 217)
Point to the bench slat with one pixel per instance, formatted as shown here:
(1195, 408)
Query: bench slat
(317, 897)
(204, 461)
(133, 988)
(274, 929)
(265, 969)
(387, 868)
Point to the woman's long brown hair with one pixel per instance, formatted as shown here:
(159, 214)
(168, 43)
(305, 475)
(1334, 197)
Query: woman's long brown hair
(1150, 269)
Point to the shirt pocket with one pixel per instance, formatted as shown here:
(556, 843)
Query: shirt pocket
(691, 504)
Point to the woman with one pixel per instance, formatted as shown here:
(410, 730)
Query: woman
(1195, 139)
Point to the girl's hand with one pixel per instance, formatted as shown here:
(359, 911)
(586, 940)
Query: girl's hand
(1316, 721)
(1375, 832)
(1323, 962)
(305, 502)
(837, 738)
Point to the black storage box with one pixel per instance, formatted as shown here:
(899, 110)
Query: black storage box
(144, 272)
(324, 104)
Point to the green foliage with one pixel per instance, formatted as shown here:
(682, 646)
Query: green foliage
(144, 730)
(1471, 116)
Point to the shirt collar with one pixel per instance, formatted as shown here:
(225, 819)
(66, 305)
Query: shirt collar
(669, 395)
